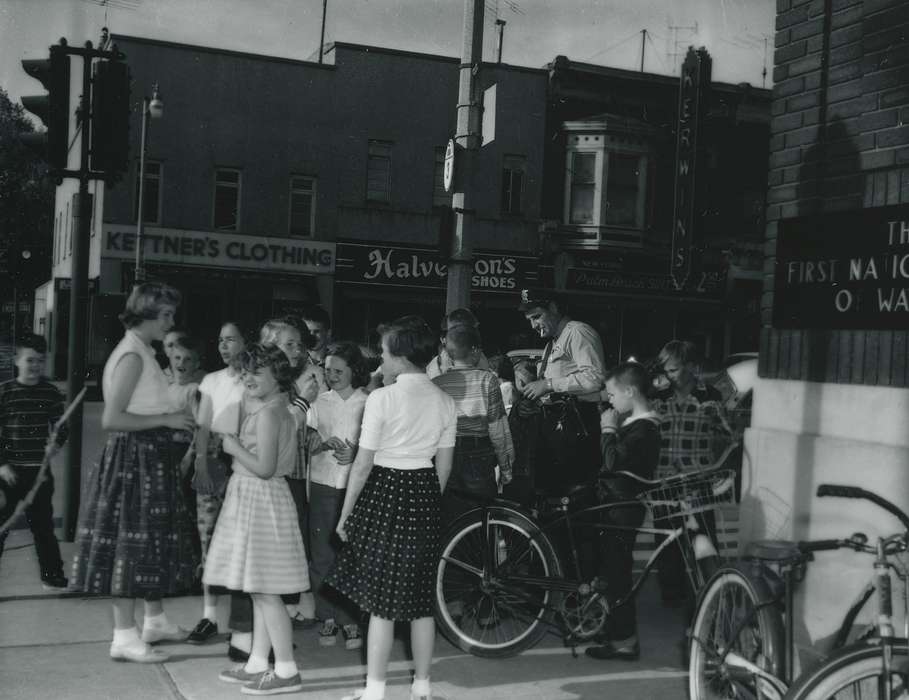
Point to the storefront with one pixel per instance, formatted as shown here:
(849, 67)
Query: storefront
(629, 297)
(248, 279)
(378, 283)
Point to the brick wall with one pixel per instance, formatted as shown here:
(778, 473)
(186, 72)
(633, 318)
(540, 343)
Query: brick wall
(839, 141)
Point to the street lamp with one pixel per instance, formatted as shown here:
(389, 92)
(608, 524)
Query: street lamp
(153, 109)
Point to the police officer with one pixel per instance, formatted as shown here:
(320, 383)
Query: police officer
(570, 377)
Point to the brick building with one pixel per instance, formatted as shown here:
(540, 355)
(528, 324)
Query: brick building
(833, 402)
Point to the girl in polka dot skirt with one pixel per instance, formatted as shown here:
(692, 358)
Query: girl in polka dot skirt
(390, 518)
(257, 547)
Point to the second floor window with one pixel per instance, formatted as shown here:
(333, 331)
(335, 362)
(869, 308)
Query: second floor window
(606, 184)
(302, 205)
(378, 172)
(514, 169)
(151, 195)
(227, 200)
(582, 177)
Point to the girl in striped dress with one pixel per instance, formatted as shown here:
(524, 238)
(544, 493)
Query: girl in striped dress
(257, 547)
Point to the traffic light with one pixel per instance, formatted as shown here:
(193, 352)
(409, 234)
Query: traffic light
(53, 108)
(110, 117)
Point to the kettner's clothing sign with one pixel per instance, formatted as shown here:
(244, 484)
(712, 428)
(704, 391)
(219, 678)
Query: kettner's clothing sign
(403, 266)
(212, 249)
(843, 270)
(693, 97)
(630, 273)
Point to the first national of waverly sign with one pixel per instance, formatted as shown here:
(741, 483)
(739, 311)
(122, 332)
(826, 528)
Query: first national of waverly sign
(223, 250)
(848, 270)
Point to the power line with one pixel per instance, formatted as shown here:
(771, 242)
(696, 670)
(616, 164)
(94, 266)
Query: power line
(614, 46)
(655, 52)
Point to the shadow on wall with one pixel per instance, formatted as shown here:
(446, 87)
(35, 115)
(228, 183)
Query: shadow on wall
(829, 176)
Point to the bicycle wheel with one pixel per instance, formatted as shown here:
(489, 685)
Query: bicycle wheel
(484, 612)
(730, 597)
(856, 672)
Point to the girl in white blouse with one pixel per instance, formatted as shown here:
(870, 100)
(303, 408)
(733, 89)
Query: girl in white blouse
(390, 518)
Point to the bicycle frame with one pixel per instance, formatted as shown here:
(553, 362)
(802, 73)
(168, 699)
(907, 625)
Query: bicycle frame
(569, 519)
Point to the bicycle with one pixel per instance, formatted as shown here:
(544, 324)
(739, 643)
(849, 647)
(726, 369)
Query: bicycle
(501, 582)
(742, 635)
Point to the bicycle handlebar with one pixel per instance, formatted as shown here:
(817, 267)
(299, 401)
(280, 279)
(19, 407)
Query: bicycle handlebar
(700, 474)
(841, 491)
(818, 545)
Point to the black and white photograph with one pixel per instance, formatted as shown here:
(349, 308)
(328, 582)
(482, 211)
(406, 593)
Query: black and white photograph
(454, 349)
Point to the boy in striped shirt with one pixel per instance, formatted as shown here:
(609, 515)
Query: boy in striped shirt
(483, 438)
(29, 407)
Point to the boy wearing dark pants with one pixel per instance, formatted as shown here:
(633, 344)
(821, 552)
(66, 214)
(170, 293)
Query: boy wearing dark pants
(633, 446)
(29, 407)
(483, 436)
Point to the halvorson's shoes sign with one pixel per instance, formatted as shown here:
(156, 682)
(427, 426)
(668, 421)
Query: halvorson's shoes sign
(226, 250)
(419, 267)
(843, 270)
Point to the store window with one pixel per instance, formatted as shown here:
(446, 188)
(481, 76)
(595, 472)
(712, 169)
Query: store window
(227, 200)
(606, 181)
(378, 172)
(514, 171)
(440, 198)
(302, 205)
(151, 196)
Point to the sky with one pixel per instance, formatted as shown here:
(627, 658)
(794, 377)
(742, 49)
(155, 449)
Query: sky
(738, 33)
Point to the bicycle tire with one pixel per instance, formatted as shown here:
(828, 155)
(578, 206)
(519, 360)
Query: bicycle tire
(487, 620)
(729, 595)
(854, 672)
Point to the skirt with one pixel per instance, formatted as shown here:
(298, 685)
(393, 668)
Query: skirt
(134, 536)
(388, 565)
(257, 546)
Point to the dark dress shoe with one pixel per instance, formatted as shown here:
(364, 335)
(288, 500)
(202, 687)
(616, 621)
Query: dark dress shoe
(203, 632)
(610, 651)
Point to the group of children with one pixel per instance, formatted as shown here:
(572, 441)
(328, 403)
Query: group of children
(288, 450)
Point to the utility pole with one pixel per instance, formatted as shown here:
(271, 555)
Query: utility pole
(322, 33)
(643, 45)
(78, 303)
(500, 27)
(467, 141)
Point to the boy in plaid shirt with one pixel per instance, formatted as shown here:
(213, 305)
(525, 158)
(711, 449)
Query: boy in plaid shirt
(693, 431)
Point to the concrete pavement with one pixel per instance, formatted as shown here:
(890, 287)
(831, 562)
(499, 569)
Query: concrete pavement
(55, 646)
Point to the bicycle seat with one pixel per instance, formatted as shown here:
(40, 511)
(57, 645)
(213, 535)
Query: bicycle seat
(773, 550)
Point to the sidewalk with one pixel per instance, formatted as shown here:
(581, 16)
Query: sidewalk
(55, 645)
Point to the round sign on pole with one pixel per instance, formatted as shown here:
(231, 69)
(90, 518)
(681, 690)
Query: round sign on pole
(448, 171)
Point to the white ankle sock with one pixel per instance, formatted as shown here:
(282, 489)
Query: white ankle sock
(286, 669)
(157, 622)
(126, 637)
(241, 640)
(375, 690)
(210, 612)
(420, 687)
(256, 664)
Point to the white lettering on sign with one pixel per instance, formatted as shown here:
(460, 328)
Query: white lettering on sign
(220, 250)
(423, 268)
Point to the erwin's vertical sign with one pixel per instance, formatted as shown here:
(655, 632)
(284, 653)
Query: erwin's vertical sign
(693, 97)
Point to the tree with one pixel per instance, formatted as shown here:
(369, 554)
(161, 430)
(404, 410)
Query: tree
(26, 200)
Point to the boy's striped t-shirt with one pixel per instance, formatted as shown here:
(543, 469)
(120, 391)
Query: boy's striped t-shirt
(27, 414)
